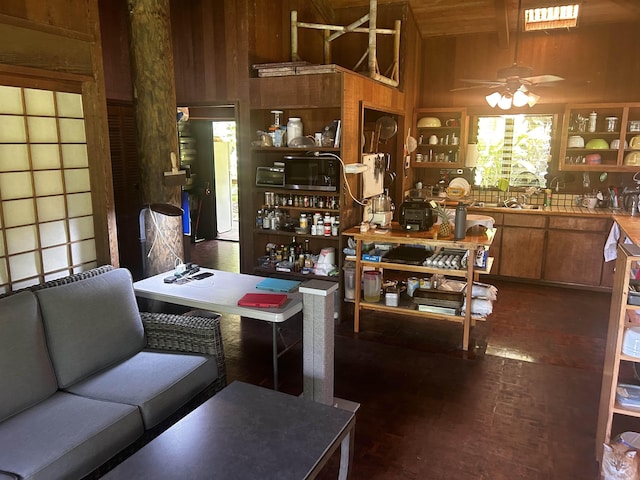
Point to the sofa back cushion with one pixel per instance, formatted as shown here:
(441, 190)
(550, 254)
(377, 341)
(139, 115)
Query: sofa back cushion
(26, 374)
(91, 324)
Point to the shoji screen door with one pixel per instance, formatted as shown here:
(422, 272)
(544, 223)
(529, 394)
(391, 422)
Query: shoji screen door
(46, 215)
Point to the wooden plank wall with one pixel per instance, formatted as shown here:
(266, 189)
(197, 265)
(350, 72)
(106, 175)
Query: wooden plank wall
(58, 42)
(597, 63)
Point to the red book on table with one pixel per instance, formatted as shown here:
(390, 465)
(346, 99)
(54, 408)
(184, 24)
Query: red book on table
(263, 300)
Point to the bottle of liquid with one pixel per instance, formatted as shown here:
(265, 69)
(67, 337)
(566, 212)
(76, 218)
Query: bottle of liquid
(460, 229)
(276, 130)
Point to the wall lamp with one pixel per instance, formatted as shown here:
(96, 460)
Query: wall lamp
(505, 99)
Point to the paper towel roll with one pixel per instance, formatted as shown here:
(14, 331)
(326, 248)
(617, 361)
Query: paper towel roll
(327, 256)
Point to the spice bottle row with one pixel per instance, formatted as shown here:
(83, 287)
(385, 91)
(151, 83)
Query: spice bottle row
(271, 199)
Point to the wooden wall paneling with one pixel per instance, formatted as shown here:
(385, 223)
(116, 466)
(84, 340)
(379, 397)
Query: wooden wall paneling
(44, 50)
(52, 15)
(200, 50)
(591, 59)
(114, 28)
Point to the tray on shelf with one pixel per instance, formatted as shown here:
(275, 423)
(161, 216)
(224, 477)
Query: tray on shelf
(438, 298)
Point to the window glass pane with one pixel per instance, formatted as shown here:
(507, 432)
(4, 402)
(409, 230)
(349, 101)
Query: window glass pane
(4, 277)
(81, 228)
(74, 155)
(51, 208)
(24, 265)
(15, 185)
(55, 258)
(39, 102)
(18, 212)
(21, 239)
(48, 182)
(77, 180)
(513, 147)
(42, 130)
(69, 105)
(45, 156)
(72, 131)
(10, 100)
(12, 129)
(53, 233)
(14, 156)
(79, 204)
(83, 252)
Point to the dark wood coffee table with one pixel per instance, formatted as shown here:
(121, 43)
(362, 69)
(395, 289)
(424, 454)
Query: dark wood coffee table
(246, 432)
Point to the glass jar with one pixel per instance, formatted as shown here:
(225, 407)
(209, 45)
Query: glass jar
(294, 129)
(372, 279)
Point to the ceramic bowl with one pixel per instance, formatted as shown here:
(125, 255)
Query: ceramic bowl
(597, 143)
(575, 141)
(632, 159)
(429, 122)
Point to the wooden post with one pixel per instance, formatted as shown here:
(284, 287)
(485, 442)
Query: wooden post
(155, 112)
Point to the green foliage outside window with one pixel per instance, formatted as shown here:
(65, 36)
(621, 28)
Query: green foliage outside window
(514, 147)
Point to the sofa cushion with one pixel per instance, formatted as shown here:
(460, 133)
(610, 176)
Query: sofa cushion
(26, 374)
(159, 383)
(66, 436)
(91, 324)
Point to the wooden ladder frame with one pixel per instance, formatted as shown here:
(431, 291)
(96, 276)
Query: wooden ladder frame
(393, 78)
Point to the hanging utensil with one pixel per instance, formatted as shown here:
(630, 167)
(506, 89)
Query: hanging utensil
(388, 127)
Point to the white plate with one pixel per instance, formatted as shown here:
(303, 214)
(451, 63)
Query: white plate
(462, 184)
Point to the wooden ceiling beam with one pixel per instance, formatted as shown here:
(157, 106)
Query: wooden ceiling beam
(502, 23)
(325, 10)
(631, 5)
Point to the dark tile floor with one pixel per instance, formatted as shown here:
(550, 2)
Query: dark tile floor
(523, 405)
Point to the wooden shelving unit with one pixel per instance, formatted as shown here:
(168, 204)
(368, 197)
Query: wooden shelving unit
(396, 235)
(613, 159)
(612, 416)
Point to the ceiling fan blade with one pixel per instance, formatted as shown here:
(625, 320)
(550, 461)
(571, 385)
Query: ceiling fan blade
(482, 82)
(542, 79)
(473, 87)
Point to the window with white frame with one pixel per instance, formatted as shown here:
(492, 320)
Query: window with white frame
(46, 213)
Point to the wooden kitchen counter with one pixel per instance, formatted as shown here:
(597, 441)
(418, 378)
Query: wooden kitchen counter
(631, 227)
(555, 210)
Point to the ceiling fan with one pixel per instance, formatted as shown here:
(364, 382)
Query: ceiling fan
(512, 85)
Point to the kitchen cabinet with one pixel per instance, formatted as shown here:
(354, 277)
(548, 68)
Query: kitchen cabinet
(575, 151)
(399, 236)
(619, 367)
(496, 245)
(522, 247)
(450, 133)
(574, 251)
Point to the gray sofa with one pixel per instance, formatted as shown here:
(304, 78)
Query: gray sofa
(85, 377)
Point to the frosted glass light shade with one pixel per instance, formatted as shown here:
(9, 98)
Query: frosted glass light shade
(520, 98)
(493, 99)
(505, 102)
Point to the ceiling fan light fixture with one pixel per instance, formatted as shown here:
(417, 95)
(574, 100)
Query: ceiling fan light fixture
(506, 101)
(533, 98)
(493, 99)
(520, 98)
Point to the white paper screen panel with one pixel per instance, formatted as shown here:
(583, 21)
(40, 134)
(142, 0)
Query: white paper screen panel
(46, 214)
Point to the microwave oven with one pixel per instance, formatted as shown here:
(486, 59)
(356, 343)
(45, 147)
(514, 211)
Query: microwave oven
(311, 172)
(270, 177)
